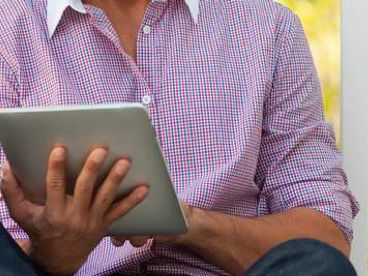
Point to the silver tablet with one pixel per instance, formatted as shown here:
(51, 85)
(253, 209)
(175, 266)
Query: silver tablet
(27, 136)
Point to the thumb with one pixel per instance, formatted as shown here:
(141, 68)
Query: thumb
(13, 195)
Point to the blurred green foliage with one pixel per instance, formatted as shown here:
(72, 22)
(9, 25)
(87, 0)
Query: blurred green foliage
(321, 21)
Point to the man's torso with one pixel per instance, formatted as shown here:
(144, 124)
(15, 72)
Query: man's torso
(203, 83)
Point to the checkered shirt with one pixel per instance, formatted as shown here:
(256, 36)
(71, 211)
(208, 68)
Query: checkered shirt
(234, 99)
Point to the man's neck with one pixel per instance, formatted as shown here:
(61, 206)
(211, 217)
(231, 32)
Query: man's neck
(126, 17)
(126, 6)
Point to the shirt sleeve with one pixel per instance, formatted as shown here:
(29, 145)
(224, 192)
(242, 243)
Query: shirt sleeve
(299, 165)
(8, 98)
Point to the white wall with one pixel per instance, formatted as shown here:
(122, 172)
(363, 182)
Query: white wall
(355, 116)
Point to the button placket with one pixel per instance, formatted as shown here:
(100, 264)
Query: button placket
(144, 46)
(147, 59)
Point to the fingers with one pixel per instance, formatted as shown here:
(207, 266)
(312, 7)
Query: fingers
(118, 241)
(86, 181)
(136, 241)
(13, 194)
(123, 206)
(55, 181)
(107, 192)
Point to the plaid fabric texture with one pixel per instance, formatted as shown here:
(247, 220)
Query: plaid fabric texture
(234, 99)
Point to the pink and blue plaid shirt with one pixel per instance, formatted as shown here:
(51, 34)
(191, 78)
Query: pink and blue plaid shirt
(232, 93)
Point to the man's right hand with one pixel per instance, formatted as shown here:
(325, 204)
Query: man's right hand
(67, 228)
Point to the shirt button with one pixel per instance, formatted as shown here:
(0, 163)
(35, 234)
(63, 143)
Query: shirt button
(146, 99)
(146, 29)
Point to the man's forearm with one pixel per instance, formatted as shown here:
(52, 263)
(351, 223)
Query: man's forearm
(234, 243)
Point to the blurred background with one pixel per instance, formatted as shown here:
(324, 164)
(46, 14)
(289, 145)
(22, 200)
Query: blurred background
(321, 21)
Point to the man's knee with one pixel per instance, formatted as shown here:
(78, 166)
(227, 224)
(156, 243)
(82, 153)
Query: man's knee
(303, 257)
(325, 259)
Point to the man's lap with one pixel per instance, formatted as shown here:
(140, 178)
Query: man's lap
(296, 257)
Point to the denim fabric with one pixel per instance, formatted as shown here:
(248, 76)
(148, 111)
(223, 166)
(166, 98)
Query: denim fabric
(302, 258)
(13, 262)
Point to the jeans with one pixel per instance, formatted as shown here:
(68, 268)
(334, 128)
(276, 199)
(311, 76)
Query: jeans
(294, 258)
(13, 262)
(303, 257)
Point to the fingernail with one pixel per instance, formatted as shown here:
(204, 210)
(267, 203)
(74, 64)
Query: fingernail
(121, 168)
(58, 153)
(99, 155)
(142, 194)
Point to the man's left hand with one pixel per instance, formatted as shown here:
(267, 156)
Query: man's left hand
(139, 241)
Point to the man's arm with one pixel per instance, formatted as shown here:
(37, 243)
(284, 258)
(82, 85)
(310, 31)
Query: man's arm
(235, 243)
(299, 166)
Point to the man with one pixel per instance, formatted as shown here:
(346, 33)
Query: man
(235, 101)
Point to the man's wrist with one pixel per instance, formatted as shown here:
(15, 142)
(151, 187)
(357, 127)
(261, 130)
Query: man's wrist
(199, 229)
(53, 266)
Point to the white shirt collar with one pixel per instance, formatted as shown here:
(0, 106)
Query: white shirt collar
(56, 8)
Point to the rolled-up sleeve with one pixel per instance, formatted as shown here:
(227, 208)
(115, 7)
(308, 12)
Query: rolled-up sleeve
(8, 98)
(299, 165)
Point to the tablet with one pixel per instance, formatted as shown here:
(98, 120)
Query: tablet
(28, 135)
